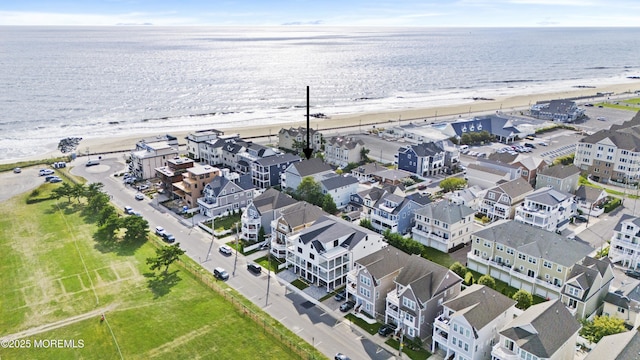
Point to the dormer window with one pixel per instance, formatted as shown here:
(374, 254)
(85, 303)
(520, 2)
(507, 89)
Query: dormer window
(479, 127)
(464, 128)
(471, 128)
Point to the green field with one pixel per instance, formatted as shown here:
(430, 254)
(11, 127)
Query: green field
(629, 104)
(55, 281)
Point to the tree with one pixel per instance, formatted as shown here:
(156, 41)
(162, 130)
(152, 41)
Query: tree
(363, 154)
(309, 190)
(137, 229)
(452, 183)
(468, 278)
(487, 280)
(78, 191)
(109, 223)
(106, 213)
(261, 234)
(165, 256)
(458, 268)
(63, 191)
(328, 204)
(93, 190)
(524, 299)
(601, 326)
(366, 224)
(98, 202)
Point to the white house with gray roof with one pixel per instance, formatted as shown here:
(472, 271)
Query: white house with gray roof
(393, 212)
(501, 127)
(340, 187)
(314, 167)
(420, 289)
(547, 208)
(469, 324)
(372, 277)
(622, 346)
(469, 196)
(526, 257)
(559, 110)
(625, 242)
(324, 253)
(499, 203)
(590, 200)
(545, 331)
(443, 225)
(624, 303)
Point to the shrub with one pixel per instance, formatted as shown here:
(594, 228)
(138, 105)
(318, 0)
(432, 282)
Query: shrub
(612, 204)
(468, 278)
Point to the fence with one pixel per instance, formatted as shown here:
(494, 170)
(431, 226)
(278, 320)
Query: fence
(206, 278)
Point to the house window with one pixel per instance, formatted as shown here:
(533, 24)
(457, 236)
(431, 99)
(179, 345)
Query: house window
(499, 247)
(365, 292)
(546, 264)
(365, 280)
(409, 317)
(409, 303)
(621, 310)
(492, 196)
(522, 256)
(335, 243)
(299, 249)
(510, 251)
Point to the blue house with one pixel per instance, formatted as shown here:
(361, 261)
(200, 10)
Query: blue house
(266, 172)
(426, 159)
(395, 213)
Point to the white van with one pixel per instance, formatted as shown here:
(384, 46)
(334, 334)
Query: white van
(464, 149)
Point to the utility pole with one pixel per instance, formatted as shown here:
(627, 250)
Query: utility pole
(213, 236)
(235, 261)
(266, 302)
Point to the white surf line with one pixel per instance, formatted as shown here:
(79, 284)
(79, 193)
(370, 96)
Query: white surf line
(113, 336)
(75, 243)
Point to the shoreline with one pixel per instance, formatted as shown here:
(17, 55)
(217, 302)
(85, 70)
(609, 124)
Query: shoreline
(434, 113)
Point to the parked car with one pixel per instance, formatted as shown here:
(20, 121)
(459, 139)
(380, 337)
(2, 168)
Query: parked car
(387, 329)
(254, 268)
(632, 273)
(92, 163)
(159, 229)
(143, 187)
(17, 170)
(168, 237)
(225, 250)
(128, 210)
(346, 306)
(341, 295)
(55, 179)
(139, 196)
(341, 356)
(580, 218)
(220, 273)
(49, 177)
(530, 137)
(45, 172)
(602, 118)
(543, 143)
(529, 145)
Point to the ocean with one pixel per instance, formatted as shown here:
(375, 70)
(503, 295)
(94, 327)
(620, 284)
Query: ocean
(88, 82)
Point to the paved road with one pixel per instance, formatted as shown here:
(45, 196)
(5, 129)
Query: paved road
(318, 324)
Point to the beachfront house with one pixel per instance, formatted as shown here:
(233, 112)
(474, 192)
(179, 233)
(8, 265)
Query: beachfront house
(525, 257)
(341, 150)
(425, 159)
(560, 177)
(420, 289)
(340, 188)
(500, 127)
(500, 202)
(261, 211)
(393, 212)
(443, 225)
(267, 172)
(372, 277)
(149, 156)
(172, 173)
(323, 253)
(543, 331)
(295, 139)
(292, 219)
(469, 323)
(198, 141)
(587, 287)
(547, 208)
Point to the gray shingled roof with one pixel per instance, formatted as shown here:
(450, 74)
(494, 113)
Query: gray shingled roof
(329, 228)
(384, 261)
(278, 159)
(548, 196)
(301, 213)
(561, 171)
(446, 212)
(480, 305)
(626, 218)
(486, 169)
(272, 199)
(543, 328)
(622, 346)
(311, 167)
(515, 188)
(346, 142)
(426, 149)
(588, 193)
(627, 140)
(426, 278)
(536, 242)
(626, 297)
(336, 182)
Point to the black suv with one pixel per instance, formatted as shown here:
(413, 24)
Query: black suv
(221, 273)
(254, 268)
(347, 306)
(632, 273)
(386, 329)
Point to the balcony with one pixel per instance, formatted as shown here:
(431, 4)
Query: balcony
(572, 310)
(442, 322)
(502, 353)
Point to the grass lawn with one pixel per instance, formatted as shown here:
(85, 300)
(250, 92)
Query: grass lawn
(631, 105)
(370, 328)
(52, 270)
(412, 354)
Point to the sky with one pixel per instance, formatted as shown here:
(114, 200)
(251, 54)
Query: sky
(423, 13)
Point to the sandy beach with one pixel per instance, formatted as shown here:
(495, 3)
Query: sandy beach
(366, 120)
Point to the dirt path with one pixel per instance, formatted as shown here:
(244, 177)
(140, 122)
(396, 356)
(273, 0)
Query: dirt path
(58, 324)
